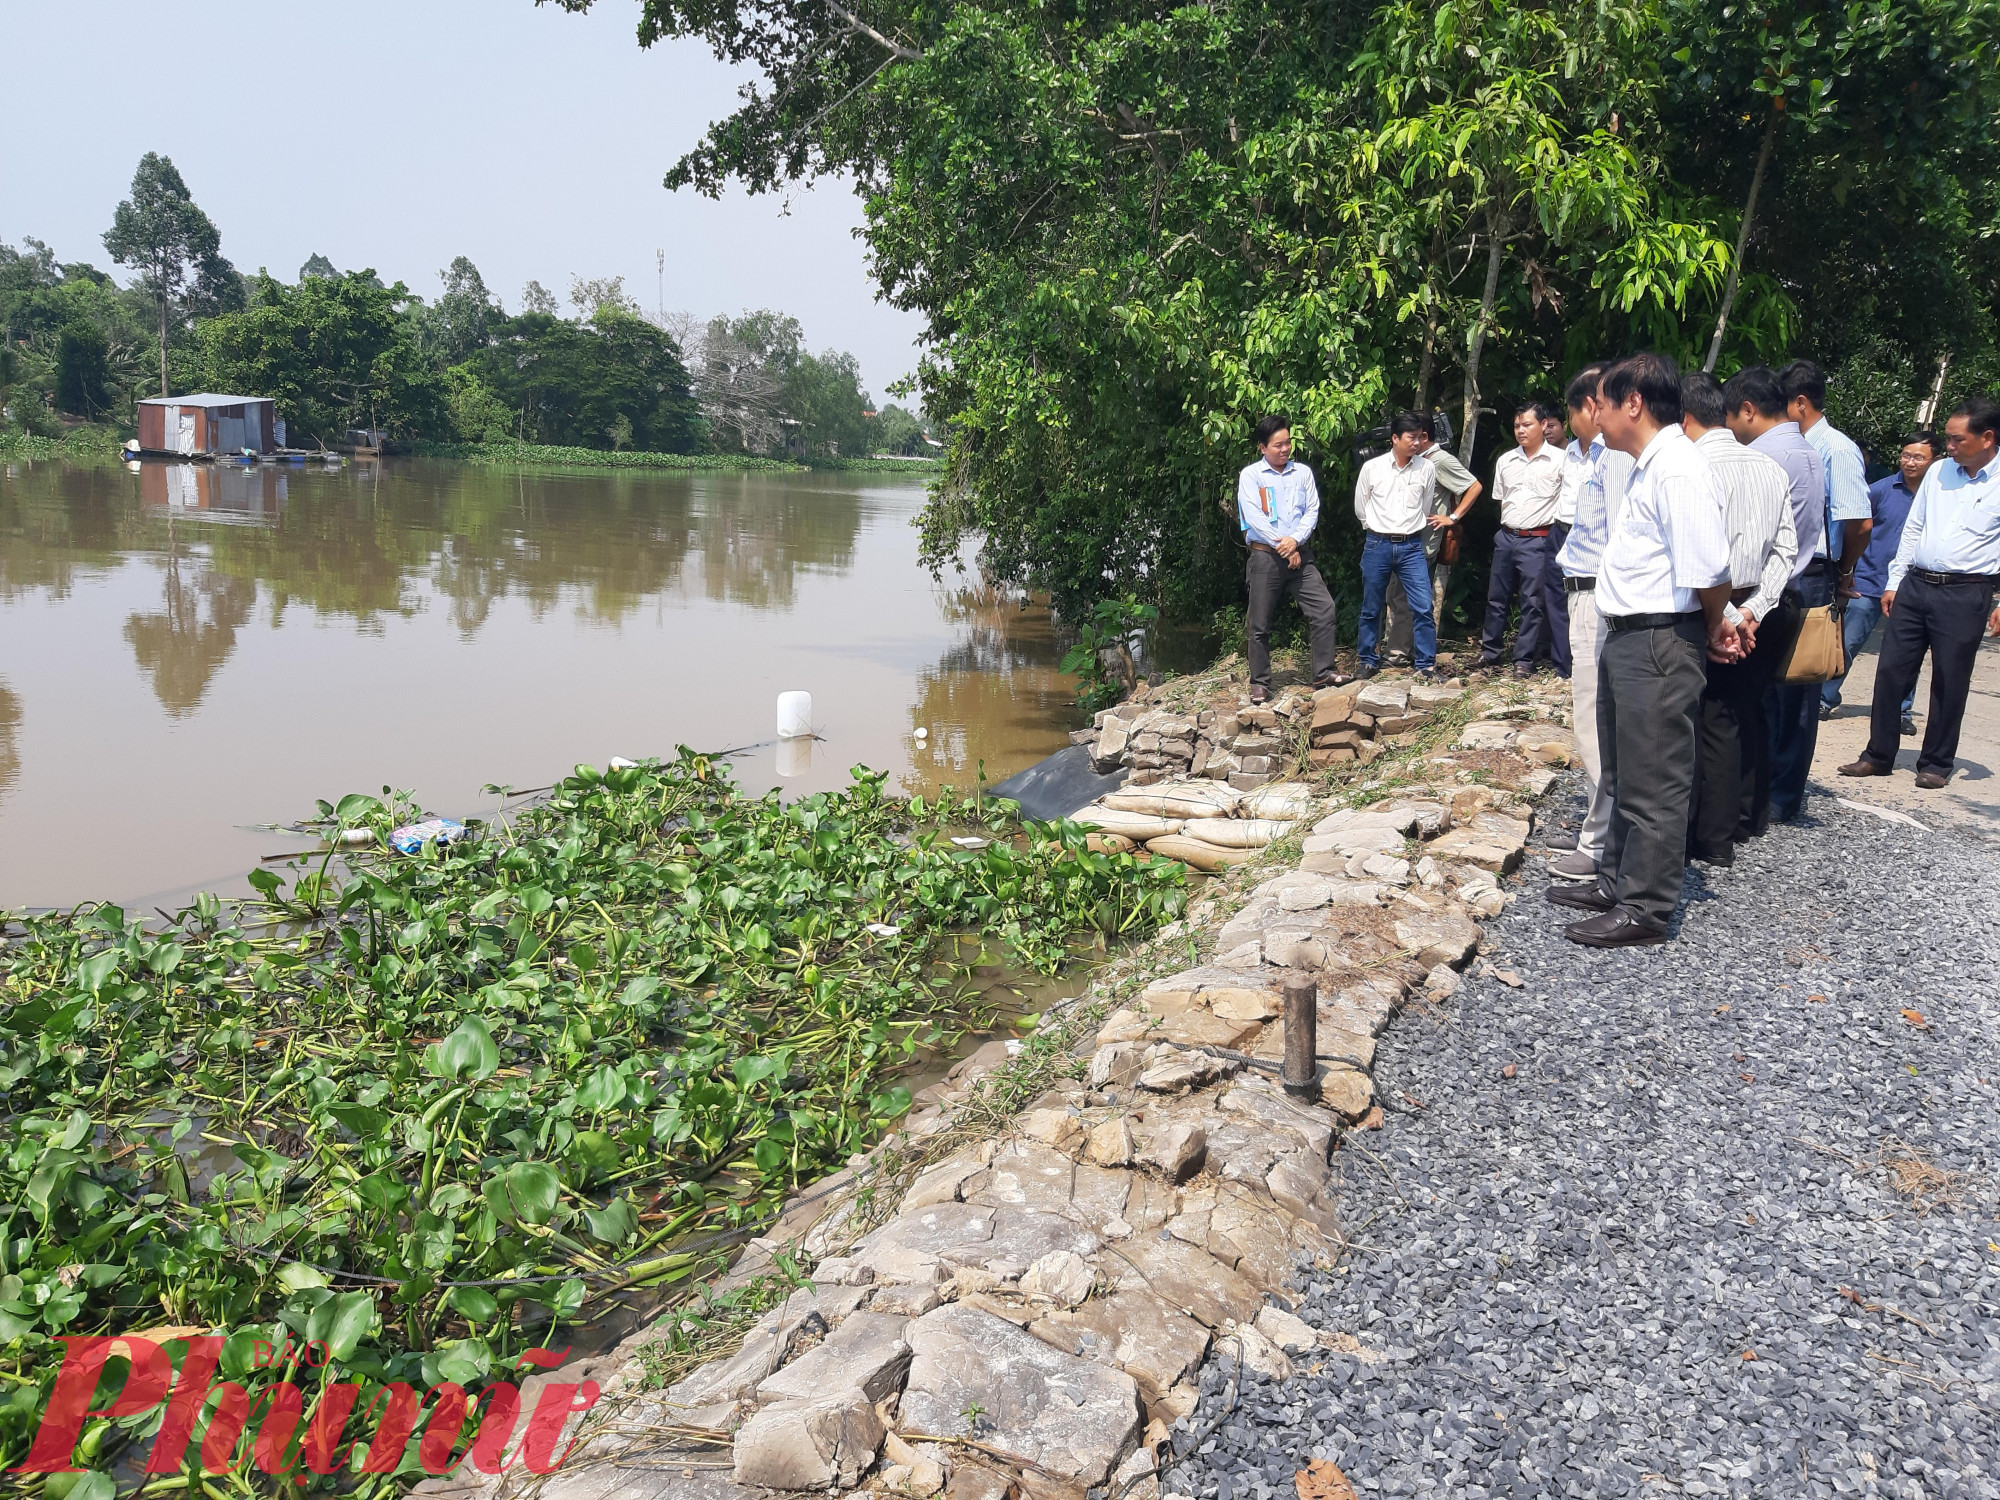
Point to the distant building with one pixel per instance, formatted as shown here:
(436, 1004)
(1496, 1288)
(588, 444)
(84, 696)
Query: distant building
(209, 425)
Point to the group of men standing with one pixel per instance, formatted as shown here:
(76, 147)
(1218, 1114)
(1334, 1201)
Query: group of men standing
(1704, 520)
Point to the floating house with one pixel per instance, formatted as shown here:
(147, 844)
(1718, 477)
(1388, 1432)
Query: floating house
(209, 426)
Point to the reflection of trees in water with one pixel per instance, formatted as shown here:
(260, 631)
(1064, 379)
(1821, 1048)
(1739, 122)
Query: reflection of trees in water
(10, 739)
(994, 695)
(366, 542)
(54, 521)
(182, 647)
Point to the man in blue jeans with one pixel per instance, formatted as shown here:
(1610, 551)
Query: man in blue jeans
(1889, 499)
(1392, 501)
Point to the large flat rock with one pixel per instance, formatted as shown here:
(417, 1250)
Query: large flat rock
(866, 1352)
(1153, 1343)
(1187, 1278)
(1073, 1418)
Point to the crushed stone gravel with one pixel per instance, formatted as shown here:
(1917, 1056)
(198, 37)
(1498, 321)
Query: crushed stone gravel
(1668, 1256)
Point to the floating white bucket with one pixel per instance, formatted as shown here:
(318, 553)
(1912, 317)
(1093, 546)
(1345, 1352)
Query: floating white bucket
(795, 712)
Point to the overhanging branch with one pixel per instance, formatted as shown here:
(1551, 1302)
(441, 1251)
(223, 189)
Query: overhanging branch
(895, 49)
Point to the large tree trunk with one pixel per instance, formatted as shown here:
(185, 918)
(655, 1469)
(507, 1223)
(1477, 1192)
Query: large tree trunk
(163, 346)
(1488, 296)
(1742, 241)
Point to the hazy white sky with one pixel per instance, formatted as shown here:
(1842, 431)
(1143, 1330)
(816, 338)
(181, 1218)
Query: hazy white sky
(397, 135)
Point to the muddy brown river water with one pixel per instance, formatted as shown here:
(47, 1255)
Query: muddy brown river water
(190, 655)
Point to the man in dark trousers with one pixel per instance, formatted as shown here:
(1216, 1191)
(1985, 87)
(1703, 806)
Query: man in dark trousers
(1662, 587)
(1526, 481)
(1940, 596)
(1278, 505)
(1760, 417)
(1889, 499)
(1735, 778)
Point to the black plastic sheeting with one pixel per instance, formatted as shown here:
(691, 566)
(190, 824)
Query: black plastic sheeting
(1058, 786)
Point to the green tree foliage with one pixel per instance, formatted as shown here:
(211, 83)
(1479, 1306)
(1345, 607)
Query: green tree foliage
(161, 232)
(334, 352)
(460, 322)
(83, 370)
(823, 394)
(56, 317)
(899, 432)
(1132, 230)
(614, 381)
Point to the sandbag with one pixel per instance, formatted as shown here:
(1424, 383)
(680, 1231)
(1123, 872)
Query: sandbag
(1239, 833)
(1286, 800)
(1203, 856)
(1139, 826)
(1170, 800)
(1108, 843)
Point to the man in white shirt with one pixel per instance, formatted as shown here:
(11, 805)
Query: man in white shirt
(1663, 587)
(1939, 595)
(1453, 492)
(1277, 502)
(1392, 496)
(1526, 482)
(1594, 478)
(1733, 789)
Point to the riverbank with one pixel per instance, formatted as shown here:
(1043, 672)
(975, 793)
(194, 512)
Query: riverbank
(1010, 1295)
(435, 1109)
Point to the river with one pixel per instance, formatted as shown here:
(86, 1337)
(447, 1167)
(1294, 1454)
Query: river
(189, 655)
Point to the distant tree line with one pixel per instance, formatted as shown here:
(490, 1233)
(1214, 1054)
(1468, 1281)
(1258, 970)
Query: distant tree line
(338, 350)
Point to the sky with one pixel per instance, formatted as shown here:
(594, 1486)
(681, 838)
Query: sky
(398, 135)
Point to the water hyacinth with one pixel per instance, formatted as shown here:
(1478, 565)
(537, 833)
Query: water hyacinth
(424, 1108)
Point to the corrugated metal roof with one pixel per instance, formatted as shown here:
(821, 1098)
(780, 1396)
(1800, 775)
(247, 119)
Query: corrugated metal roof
(206, 398)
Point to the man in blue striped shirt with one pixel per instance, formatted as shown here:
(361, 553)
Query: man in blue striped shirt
(1940, 596)
(1277, 502)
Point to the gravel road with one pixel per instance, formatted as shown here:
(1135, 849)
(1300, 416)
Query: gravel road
(1669, 1256)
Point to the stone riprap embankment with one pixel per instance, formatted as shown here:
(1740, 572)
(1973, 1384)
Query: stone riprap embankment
(1717, 1219)
(1018, 1307)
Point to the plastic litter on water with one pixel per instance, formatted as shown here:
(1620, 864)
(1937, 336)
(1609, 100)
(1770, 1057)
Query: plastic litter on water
(971, 843)
(413, 836)
(921, 733)
(883, 929)
(620, 763)
(357, 836)
(795, 711)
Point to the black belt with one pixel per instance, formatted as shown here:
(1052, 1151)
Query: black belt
(1985, 580)
(1579, 585)
(1396, 536)
(1649, 622)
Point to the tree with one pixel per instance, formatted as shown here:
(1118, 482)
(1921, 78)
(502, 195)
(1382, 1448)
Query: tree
(334, 352)
(823, 394)
(615, 381)
(460, 323)
(741, 370)
(536, 298)
(588, 295)
(898, 432)
(1870, 102)
(160, 232)
(317, 265)
(1132, 229)
(83, 370)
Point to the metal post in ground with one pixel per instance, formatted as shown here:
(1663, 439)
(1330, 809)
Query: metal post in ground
(1301, 1075)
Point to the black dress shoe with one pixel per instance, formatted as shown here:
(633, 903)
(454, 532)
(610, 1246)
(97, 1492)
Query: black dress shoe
(1615, 929)
(1586, 895)
(1258, 694)
(1932, 781)
(1908, 727)
(1524, 669)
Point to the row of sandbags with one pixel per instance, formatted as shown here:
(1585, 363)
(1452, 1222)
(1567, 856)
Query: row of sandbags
(1206, 824)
